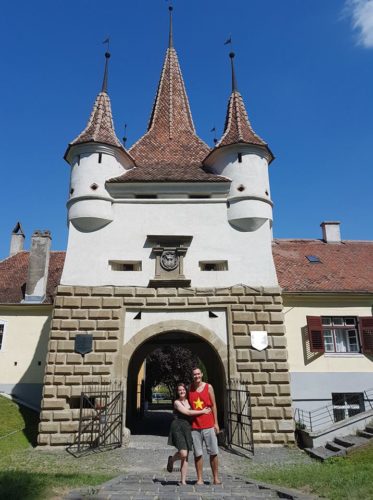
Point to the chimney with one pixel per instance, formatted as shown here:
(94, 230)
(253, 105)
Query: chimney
(37, 278)
(17, 240)
(331, 232)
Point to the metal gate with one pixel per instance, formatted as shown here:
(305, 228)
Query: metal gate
(100, 420)
(240, 429)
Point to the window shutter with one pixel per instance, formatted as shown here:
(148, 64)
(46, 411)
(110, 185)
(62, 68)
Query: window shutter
(366, 334)
(315, 334)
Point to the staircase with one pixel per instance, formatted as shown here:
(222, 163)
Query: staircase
(340, 446)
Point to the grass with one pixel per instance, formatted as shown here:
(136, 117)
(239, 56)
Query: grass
(29, 474)
(339, 478)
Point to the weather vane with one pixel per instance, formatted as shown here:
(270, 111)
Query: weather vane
(213, 130)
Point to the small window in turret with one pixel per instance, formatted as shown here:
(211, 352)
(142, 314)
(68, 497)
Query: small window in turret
(94, 186)
(100, 157)
(78, 159)
(213, 265)
(71, 191)
(239, 156)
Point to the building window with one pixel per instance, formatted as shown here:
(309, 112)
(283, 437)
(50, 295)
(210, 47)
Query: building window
(125, 265)
(100, 157)
(340, 334)
(239, 156)
(2, 331)
(214, 265)
(347, 404)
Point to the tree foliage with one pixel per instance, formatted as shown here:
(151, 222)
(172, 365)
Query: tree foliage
(170, 365)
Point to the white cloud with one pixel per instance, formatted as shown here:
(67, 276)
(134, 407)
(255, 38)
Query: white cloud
(361, 12)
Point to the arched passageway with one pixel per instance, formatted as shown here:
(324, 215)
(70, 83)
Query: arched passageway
(157, 422)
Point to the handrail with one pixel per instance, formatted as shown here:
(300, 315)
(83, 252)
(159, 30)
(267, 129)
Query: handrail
(320, 418)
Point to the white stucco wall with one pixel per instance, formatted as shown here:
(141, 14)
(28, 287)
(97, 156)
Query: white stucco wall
(24, 345)
(315, 376)
(249, 254)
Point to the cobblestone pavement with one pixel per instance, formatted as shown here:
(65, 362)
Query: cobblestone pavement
(145, 477)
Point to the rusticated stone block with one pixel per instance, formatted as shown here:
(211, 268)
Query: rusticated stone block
(222, 300)
(76, 391)
(113, 334)
(262, 317)
(279, 377)
(167, 292)
(108, 324)
(275, 329)
(237, 290)
(247, 299)
(272, 307)
(272, 290)
(106, 345)
(109, 358)
(53, 404)
(58, 335)
(255, 390)
(73, 380)
(69, 324)
(101, 370)
(239, 329)
(87, 324)
(51, 358)
(246, 378)
(61, 439)
(277, 299)
(62, 415)
(43, 439)
(257, 412)
(263, 437)
(116, 313)
(260, 378)
(49, 391)
(258, 355)
(100, 335)
(82, 369)
(177, 301)
(74, 359)
(134, 301)
(256, 425)
(282, 401)
(268, 426)
(62, 313)
(91, 302)
(59, 380)
(288, 412)
(284, 390)
(82, 290)
(244, 317)
(46, 416)
(48, 379)
(275, 412)
(279, 341)
(58, 302)
(60, 358)
(248, 367)
(277, 355)
(72, 302)
(99, 314)
(241, 341)
(197, 301)
(79, 313)
(204, 291)
(237, 307)
(63, 370)
(69, 426)
(223, 291)
(65, 290)
(185, 292)
(285, 426)
(92, 379)
(267, 367)
(56, 324)
(102, 290)
(63, 391)
(282, 367)
(94, 358)
(265, 401)
(242, 355)
(156, 301)
(263, 299)
(113, 302)
(145, 292)
(270, 390)
(65, 345)
(276, 317)
(49, 369)
(122, 291)
(279, 438)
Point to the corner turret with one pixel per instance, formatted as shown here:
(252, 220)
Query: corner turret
(244, 157)
(95, 156)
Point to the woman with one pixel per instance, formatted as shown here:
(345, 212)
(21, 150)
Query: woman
(180, 431)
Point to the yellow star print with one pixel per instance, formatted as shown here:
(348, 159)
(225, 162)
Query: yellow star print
(198, 404)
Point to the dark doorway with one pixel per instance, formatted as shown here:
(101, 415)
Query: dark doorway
(156, 420)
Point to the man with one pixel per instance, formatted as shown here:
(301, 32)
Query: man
(204, 427)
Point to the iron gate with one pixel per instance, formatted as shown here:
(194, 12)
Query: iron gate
(100, 419)
(240, 429)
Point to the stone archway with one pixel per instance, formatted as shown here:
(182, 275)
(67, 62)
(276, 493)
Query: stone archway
(201, 341)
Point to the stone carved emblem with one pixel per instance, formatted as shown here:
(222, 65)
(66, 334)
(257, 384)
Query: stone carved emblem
(169, 260)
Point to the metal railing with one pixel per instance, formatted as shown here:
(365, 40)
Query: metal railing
(321, 418)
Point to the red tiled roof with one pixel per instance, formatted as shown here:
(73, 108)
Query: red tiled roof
(168, 173)
(237, 128)
(344, 267)
(13, 276)
(171, 139)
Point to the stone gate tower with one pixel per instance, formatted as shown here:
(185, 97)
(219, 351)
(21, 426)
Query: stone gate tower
(169, 242)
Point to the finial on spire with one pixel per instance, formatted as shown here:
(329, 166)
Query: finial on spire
(170, 38)
(234, 81)
(107, 57)
(124, 139)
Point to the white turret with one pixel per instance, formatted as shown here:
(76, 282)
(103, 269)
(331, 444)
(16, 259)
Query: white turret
(95, 156)
(244, 157)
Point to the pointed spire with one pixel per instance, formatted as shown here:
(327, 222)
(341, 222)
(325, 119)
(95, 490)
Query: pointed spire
(170, 37)
(104, 81)
(237, 127)
(171, 136)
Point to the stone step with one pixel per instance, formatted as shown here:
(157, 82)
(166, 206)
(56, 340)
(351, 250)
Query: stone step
(321, 453)
(365, 434)
(331, 445)
(369, 428)
(348, 441)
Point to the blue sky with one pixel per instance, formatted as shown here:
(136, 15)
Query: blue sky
(304, 68)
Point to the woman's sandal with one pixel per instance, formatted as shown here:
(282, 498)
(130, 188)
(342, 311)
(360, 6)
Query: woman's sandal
(170, 465)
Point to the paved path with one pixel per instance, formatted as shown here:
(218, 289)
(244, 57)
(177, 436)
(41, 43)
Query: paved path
(145, 460)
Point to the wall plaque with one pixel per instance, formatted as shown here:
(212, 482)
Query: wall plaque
(83, 343)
